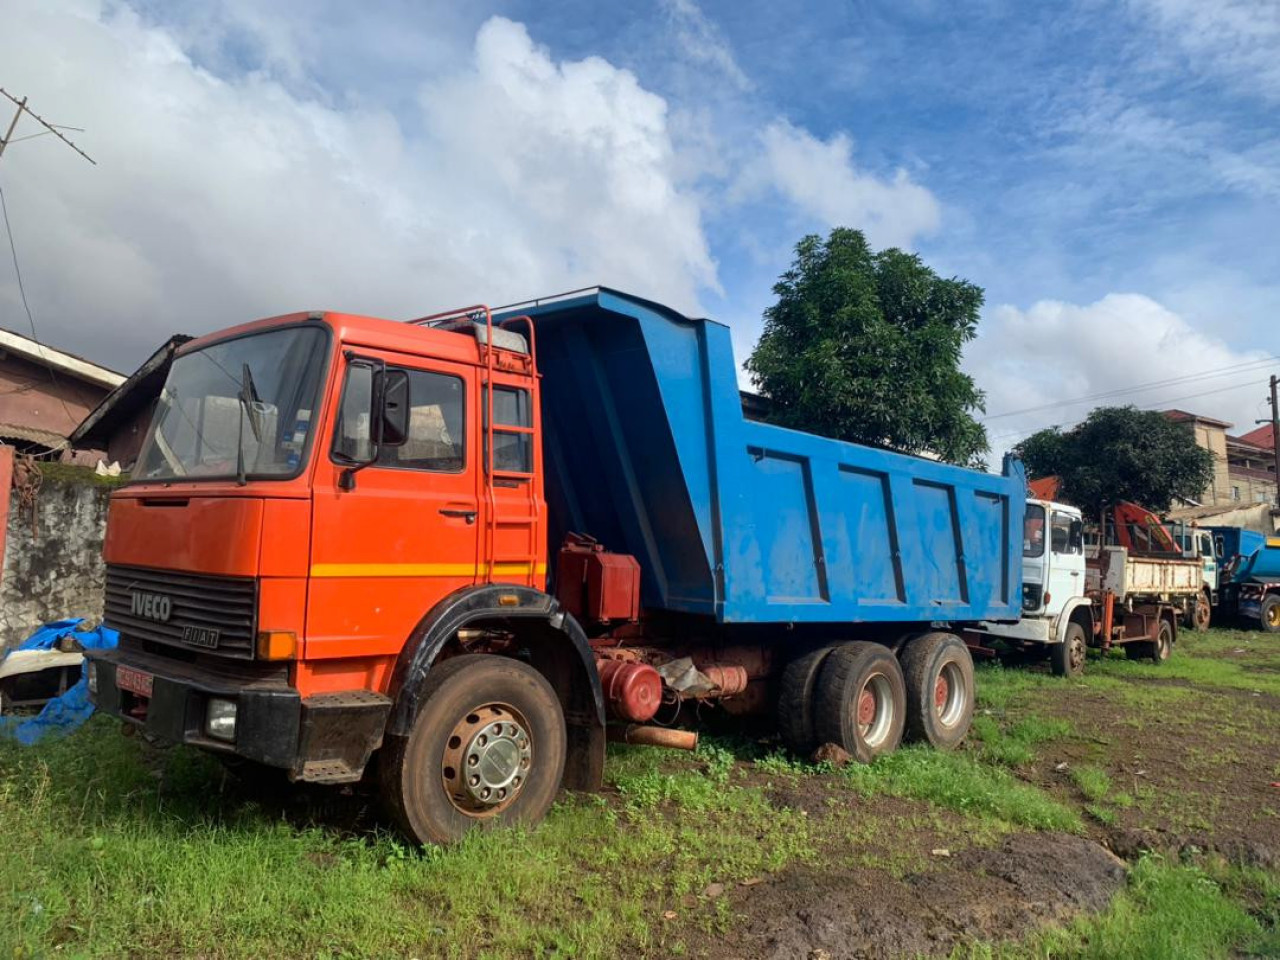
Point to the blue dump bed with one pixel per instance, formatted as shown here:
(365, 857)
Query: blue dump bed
(648, 451)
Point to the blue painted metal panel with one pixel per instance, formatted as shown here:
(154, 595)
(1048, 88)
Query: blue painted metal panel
(648, 451)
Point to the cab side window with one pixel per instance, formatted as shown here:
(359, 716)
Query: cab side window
(1066, 534)
(512, 430)
(352, 438)
(437, 418)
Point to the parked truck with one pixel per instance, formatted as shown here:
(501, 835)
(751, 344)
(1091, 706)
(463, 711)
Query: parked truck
(1119, 596)
(457, 553)
(1251, 575)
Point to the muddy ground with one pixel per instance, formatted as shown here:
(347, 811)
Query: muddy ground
(1194, 770)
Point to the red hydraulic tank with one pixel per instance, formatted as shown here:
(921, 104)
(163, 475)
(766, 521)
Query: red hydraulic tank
(597, 586)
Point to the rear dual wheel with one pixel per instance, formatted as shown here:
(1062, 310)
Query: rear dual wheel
(938, 671)
(857, 695)
(487, 747)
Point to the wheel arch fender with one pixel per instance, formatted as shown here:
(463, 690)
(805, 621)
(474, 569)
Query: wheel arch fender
(558, 649)
(1078, 610)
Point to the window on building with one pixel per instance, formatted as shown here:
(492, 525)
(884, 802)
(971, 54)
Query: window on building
(1235, 493)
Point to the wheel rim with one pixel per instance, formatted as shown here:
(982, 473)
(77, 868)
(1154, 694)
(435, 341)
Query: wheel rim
(875, 711)
(950, 695)
(1273, 615)
(487, 760)
(1075, 654)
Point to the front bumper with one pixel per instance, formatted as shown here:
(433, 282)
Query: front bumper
(326, 738)
(268, 717)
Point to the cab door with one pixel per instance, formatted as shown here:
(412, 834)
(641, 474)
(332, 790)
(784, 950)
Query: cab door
(1066, 564)
(406, 533)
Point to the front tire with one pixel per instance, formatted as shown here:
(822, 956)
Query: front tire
(1200, 614)
(487, 748)
(938, 672)
(861, 700)
(1269, 614)
(1067, 658)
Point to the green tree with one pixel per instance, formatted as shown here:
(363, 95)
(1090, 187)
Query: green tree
(866, 346)
(1120, 453)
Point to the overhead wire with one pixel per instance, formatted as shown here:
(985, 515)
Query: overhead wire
(1141, 387)
(1021, 434)
(31, 320)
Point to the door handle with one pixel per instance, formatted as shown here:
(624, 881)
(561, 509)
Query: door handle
(467, 515)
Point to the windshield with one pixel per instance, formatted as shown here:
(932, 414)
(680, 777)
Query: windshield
(241, 408)
(1033, 531)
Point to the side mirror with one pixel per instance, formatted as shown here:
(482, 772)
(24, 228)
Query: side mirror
(1076, 537)
(394, 388)
(375, 413)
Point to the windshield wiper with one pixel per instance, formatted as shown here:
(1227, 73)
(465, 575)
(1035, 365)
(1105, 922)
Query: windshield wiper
(251, 404)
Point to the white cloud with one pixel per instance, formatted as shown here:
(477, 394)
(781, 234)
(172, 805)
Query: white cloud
(820, 179)
(222, 198)
(702, 42)
(1235, 39)
(1040, 364)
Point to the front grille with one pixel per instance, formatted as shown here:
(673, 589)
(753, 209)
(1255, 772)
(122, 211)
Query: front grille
(185, 608)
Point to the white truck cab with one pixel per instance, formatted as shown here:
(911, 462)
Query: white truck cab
(1055, 610)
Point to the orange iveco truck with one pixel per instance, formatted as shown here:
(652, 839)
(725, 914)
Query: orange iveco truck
(453, 555)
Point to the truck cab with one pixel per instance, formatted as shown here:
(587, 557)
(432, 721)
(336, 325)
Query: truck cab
(318, 495)
(1055, 611)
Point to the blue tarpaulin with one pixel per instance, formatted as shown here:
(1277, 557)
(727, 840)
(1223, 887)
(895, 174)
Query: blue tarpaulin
(65, 713)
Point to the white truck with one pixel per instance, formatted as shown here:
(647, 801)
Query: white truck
(1071, 603)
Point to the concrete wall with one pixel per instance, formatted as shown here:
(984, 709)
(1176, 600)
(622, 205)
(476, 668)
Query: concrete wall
(55, 570)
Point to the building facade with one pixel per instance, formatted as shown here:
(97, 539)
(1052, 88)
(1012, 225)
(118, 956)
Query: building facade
(1243, 467)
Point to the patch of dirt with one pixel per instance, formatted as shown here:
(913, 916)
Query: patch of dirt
(992, 894)
(1202, 772)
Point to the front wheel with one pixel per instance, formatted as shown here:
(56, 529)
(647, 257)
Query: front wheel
(938, 672)
(861, 700)
(1269, 614)
(1199, 614)
(1067, 658)
(487, 747)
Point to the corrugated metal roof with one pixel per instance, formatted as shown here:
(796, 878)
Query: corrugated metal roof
(13, 431)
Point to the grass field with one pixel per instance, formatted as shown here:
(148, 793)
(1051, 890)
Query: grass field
(115, 848)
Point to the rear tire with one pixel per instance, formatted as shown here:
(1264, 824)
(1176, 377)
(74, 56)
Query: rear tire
(1067, 658)
(487, 748)
(861, 700)
(1162, 648)
(938, 672)
(795, 702)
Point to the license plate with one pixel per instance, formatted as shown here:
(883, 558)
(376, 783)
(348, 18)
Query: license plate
(200, 637)
(135, 681)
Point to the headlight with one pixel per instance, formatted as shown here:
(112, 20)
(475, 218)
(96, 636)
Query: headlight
(91, 674)
(220, 720)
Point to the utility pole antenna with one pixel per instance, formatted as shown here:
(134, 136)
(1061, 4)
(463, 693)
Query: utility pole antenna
(48, 127)
(1275, 435)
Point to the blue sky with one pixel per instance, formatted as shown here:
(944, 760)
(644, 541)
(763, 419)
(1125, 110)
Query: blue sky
(1108, 172)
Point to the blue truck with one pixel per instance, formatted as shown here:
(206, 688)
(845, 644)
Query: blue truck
(479, 544)
(1249, 564)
